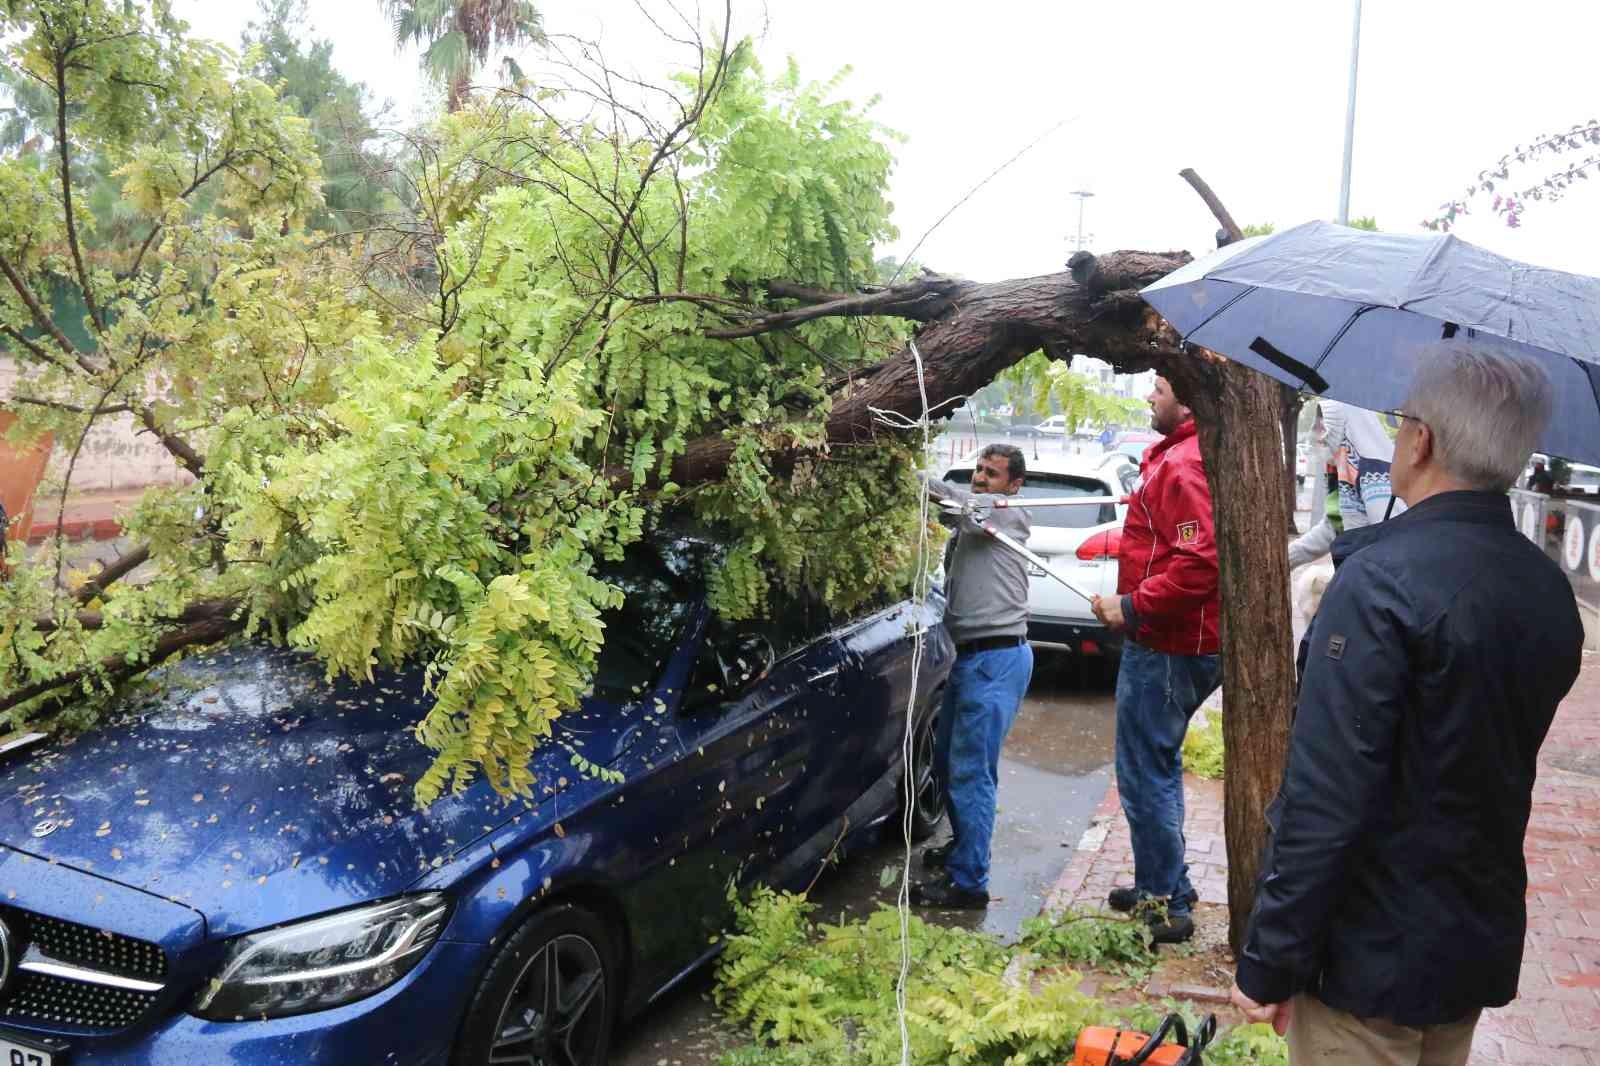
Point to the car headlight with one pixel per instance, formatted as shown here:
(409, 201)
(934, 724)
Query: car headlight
(324, 962)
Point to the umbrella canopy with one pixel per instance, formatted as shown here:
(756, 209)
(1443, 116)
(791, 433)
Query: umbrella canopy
(1344, 312)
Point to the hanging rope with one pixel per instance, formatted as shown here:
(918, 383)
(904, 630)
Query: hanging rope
(919, 596)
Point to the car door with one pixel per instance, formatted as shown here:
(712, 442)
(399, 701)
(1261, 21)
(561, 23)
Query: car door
(751, 795)
(867, 726)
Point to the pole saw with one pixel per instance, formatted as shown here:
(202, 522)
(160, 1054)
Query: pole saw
(978, 510)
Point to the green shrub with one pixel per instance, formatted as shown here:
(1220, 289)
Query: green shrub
(1203, 751)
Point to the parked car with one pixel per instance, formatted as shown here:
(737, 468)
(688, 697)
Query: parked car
(1582, 480)
(1081, 542)
(234, 870)
(1054, 426)
(1133, 443)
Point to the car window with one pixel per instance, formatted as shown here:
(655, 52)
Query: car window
(661, 582)
(793, 620)
(1057, 485)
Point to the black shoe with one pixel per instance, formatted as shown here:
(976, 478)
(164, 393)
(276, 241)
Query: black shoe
(937, 856)
(1172, 929)
(1122, 899)
(1126, 899)
(944, 894)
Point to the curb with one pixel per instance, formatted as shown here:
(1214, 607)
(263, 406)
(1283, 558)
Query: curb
(76, 529)
(1070, 883)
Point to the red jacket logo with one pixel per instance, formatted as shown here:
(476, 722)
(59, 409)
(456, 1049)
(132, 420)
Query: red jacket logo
(1188, 532)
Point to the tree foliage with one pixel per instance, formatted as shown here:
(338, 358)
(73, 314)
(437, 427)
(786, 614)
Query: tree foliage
(386, 480)
(824, 995)
(1509, 202)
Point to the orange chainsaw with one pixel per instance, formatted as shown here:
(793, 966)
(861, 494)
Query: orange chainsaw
(1101, 1045)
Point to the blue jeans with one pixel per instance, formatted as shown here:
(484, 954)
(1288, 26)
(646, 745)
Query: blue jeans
(981, 702)
(1156, 695)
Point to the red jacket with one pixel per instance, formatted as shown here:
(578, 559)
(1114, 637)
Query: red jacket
(1167, 566)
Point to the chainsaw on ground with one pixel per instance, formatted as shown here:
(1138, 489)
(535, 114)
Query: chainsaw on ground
(1101, 1045)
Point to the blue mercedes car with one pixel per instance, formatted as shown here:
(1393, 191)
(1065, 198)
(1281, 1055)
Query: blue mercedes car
(233, 870)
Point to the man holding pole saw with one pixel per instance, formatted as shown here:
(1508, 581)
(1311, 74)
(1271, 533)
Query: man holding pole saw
(1167, 603)
(987, 613)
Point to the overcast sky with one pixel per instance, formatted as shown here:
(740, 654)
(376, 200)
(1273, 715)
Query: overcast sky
(1251, 93)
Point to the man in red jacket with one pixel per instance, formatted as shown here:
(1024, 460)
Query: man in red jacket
(1167, 604)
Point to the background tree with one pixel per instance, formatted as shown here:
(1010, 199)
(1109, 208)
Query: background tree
(456, 36)
(1508, 201)
(355, 189)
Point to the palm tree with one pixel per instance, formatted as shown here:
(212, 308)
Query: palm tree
(456, 35)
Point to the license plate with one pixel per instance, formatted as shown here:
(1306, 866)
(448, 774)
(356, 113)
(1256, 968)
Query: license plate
(1035, 570)
(15, 1051)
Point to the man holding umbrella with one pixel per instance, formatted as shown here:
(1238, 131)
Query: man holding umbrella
(1390, 907)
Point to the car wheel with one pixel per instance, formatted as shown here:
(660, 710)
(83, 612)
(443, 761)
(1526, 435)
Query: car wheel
(549, 997)
(927, 791)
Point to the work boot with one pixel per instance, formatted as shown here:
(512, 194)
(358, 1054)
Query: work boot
(937, 856)
(946, 895)
(1125, 899)
(1169, 928)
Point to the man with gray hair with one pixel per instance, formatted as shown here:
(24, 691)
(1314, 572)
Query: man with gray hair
(1390, 907)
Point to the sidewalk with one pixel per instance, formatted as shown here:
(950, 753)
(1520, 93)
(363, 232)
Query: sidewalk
(1556, 1017)
(89, 515)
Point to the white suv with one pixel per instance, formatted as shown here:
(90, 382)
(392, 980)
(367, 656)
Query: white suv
(1081, 543)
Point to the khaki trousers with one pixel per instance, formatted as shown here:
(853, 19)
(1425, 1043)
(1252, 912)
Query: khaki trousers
(1321, 1036)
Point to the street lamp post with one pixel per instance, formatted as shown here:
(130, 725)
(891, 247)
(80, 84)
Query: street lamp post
(1350, 120)
(1080, 242)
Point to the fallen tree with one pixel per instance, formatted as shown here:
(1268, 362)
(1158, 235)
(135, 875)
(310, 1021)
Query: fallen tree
(414, 444)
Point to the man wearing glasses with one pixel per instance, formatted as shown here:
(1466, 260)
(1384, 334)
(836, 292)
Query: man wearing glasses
(1390, 907)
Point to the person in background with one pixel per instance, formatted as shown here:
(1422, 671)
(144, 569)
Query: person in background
(1168, 604)
(987, 613)
(1362, 453)
(1390, 907)
(1541, 480)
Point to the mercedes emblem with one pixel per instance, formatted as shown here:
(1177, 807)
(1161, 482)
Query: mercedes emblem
(46, 827)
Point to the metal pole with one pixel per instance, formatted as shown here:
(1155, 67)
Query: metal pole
(1350, 120)
(1082, 195)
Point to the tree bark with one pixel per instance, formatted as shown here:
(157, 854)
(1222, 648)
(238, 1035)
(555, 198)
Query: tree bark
(973, 332)
(1239, 442)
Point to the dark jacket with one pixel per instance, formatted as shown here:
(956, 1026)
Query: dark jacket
(1393, 879)
(1167, 567)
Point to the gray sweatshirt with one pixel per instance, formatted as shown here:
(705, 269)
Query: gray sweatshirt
(987, 583)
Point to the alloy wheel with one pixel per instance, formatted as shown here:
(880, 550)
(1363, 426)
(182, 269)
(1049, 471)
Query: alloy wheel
(555, 1014)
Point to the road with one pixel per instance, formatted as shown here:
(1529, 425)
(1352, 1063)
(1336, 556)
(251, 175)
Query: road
(1053, 772)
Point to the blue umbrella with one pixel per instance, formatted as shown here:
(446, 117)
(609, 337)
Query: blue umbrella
(1343, 312)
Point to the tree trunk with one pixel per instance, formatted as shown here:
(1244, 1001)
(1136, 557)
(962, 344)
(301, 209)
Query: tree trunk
(1238, 440)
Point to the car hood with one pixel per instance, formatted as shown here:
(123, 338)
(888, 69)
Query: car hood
(255, 791)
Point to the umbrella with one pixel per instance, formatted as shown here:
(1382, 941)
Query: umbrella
(1343, 312)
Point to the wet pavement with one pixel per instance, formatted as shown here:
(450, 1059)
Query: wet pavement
(1053, 772)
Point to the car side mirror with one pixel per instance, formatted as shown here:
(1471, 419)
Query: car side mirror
(729, 666)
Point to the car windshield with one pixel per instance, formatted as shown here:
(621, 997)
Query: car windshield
(1057, 485)
(662, 584)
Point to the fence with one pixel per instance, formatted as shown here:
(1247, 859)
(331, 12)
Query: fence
(1568, 531)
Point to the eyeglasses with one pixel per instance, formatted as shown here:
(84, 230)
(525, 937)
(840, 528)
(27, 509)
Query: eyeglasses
(1401, 416)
